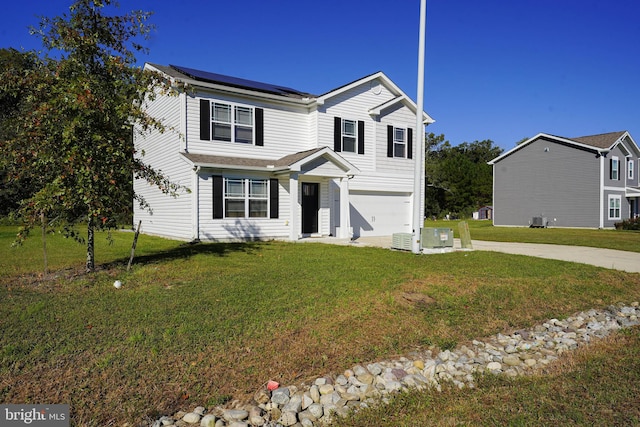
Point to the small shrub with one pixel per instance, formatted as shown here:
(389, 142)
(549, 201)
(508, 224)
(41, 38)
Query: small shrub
(629, 224)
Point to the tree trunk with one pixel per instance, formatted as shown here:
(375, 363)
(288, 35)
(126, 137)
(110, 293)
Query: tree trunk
(43, 220)
(91, 266)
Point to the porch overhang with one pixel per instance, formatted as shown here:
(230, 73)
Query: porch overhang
(302, 163)
(632, 192)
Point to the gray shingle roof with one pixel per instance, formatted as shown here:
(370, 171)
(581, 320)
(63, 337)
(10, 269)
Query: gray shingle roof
(603, 140)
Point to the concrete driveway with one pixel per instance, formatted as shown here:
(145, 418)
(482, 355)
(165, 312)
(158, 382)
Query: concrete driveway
(607, 258)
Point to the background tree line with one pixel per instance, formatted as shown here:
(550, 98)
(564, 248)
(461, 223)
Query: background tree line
(458, 178)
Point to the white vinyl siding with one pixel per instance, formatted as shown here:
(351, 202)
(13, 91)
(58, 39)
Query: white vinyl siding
(286, 130)
(170, 216)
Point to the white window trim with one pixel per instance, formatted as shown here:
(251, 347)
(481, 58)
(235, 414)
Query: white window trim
(613, 198)
(615, 167)
(398, 142)
(630, 169)
(233, 122)
(246, 197)
(346, 135)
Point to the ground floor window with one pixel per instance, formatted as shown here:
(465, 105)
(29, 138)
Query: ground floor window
(246, 198)
(614, 207)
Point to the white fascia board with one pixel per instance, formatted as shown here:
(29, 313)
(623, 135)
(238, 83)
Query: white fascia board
(630, 147)
(335, 158)
(551, 137)
(386, 81)
(322, 99)
(632, 192)
(376, 111)
(200, 165)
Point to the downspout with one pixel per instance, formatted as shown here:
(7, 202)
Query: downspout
(195, 217)
(601, 204)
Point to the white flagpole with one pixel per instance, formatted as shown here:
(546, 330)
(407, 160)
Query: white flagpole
(418, 178)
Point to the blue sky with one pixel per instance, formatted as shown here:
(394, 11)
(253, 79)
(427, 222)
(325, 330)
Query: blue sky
(497, 69)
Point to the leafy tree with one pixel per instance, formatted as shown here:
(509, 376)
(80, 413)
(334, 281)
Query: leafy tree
(458, 177)
(13, 63)
(74, 135)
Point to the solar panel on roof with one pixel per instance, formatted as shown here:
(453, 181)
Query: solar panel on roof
(236, 82)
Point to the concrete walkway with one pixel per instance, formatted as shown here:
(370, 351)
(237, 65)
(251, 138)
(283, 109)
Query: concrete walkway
(607, 258)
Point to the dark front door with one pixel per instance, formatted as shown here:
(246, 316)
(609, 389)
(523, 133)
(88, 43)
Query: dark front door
(310, 191)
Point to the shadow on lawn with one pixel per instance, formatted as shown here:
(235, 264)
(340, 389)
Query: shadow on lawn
(188, 250)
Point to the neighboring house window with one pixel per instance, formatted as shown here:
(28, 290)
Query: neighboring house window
(615, 169)
(630, 170)
(245, 198)
(614, 207)
(221, 121)
(348, 135)
(399, 142)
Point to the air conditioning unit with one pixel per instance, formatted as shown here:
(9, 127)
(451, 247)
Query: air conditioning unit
(539, 222)
(402, 241)
(437, 238)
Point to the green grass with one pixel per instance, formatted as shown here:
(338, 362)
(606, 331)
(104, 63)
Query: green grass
(200, 324)
(484, 230)
(595, 386)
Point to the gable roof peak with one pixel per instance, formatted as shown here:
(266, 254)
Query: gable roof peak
(602, 140)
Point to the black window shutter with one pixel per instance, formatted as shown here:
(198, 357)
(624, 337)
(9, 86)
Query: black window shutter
(205, 120)
(389, 141)
(337, 134)
(274, 196)
(409, 143)
(360, 137)
(218, 198)
(259, 126)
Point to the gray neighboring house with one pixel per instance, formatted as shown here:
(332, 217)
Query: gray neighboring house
(589, 181)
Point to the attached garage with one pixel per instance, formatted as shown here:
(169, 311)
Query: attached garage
(379, 213)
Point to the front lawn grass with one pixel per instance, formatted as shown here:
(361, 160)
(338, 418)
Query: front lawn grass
(199, 324)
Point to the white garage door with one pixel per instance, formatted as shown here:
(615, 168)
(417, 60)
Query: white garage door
(380, 214)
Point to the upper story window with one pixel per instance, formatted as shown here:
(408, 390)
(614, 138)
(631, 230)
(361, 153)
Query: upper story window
(232, 123)
(630, 171)
(348, 135)
(220, 121)
(615, 168)
(399, 142)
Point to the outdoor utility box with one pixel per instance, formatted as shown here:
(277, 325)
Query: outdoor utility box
(437, 238)
(401, 241)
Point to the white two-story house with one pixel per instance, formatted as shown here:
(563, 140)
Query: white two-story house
(262, 161)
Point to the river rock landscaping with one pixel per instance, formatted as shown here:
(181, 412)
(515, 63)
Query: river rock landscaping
(364, 385)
